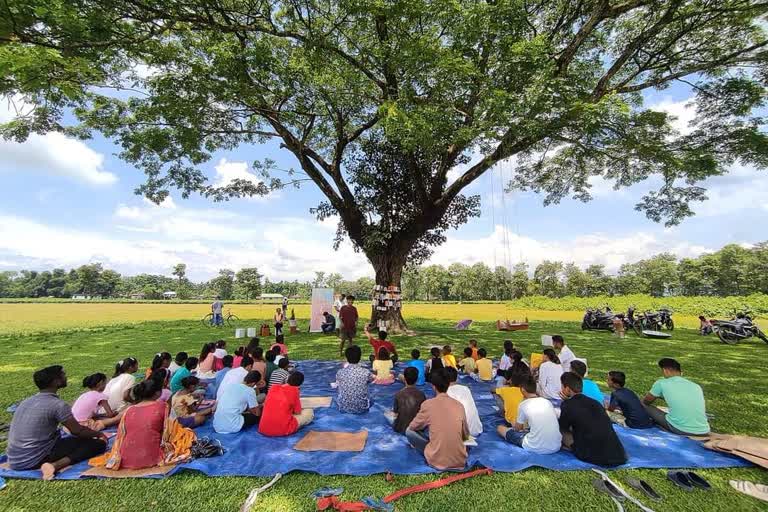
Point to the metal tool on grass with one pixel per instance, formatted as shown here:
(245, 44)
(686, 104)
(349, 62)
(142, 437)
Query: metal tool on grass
(622, 491)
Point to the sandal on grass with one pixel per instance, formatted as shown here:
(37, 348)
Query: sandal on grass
(644, 487)
(698, 481)
(608, 488)
(758, 491)
(680, 479)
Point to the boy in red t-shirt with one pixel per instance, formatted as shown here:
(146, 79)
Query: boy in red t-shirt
(282, 414)
(380, 342)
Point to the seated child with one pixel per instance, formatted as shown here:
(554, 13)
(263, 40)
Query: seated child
(88, 405)
(467, 365)
(510, 395)
(464, 396)
(484, 366)
(407, 402)
(239, 353)
(705, 326)
(219, 354)
(449, 360)
(279, 376)
(538, 414)
(352, 384)
(434, 364)
(625, 399)
(282, 414)
(588, 386)
(473, 347)
(178, 362)
(417, 363)
(280, 343)
(382, 367)
(227, 362)
(185, 404)
(238, 407)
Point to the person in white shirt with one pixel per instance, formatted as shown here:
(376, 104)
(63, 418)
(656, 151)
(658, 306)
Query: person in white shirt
(542, 434)
(235, 375)
(216, 309)
(565, 354)
(464, 395)
(221, 349)
(549, 377)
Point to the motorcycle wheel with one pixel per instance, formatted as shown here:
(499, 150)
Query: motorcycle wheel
(760, 334)
(670, 325)
(638, 327)
(726, 337)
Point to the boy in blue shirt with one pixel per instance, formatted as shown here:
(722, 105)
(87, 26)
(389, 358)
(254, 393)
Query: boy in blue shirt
(417, 363)
(589, 388)
(625, 399)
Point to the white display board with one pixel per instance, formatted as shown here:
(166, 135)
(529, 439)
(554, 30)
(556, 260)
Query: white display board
(322, 301)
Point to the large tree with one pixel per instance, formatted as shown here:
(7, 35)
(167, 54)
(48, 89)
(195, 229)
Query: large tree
(381, 101)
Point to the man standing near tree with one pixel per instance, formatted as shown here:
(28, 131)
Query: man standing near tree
(216, 309)
(348, 316)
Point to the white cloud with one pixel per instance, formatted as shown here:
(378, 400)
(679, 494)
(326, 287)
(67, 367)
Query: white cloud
(594, 248)
(52, 153)
(154, 241)
(227, 171)
(743, 188)
(683, 111)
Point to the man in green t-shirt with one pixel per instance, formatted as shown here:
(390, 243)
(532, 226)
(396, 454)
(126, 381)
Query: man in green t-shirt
(687, 413)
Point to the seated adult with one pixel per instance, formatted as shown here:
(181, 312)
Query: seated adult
(381, 341)
(140, 435)
(464, 396)
(352, 384)
(282, 414)
(329, 323)
(443, 444)
(687, 410)
(535, 428)
(226, 367)
(407, 402)
(564, 352)
(34, 440)
(586, 428)
(705, 326)
(182, 373)
(238, 407)
(235, 375)
(588, 387)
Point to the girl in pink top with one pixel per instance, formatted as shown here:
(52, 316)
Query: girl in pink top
(207, 358)
(87, 406)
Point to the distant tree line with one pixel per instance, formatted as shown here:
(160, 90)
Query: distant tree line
(733, 270)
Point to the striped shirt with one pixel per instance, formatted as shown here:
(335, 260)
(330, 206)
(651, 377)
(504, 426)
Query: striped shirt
(278, 376)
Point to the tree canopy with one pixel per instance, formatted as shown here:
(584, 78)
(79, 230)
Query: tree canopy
(379, 100)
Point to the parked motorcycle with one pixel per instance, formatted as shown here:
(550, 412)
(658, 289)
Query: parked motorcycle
(665, 318)
(648, 321)
(739, 328)
(597, 319)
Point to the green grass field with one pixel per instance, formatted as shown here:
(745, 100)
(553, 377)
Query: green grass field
(732, 378)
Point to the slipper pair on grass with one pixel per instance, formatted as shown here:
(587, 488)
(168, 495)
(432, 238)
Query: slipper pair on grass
(688, 480)
(608, 488)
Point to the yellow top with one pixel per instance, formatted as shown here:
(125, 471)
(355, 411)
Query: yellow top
(512, 397)
(485, 369)
(382, 368)
(449, 360)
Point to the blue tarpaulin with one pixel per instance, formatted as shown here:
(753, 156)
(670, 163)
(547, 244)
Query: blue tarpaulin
(249, 453)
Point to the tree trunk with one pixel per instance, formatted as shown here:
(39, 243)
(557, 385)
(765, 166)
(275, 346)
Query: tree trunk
(389, 272)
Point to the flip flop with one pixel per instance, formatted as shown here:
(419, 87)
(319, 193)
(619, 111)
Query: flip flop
(680, 479)
(698, 481)
(758, 491)
(645, 488)
(608, 488)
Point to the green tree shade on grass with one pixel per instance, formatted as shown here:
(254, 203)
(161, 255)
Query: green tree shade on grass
(417, 87)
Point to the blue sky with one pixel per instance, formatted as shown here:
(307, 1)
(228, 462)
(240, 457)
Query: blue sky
(66, 202)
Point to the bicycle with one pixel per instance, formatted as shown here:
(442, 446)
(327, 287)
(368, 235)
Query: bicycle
(230, 319)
